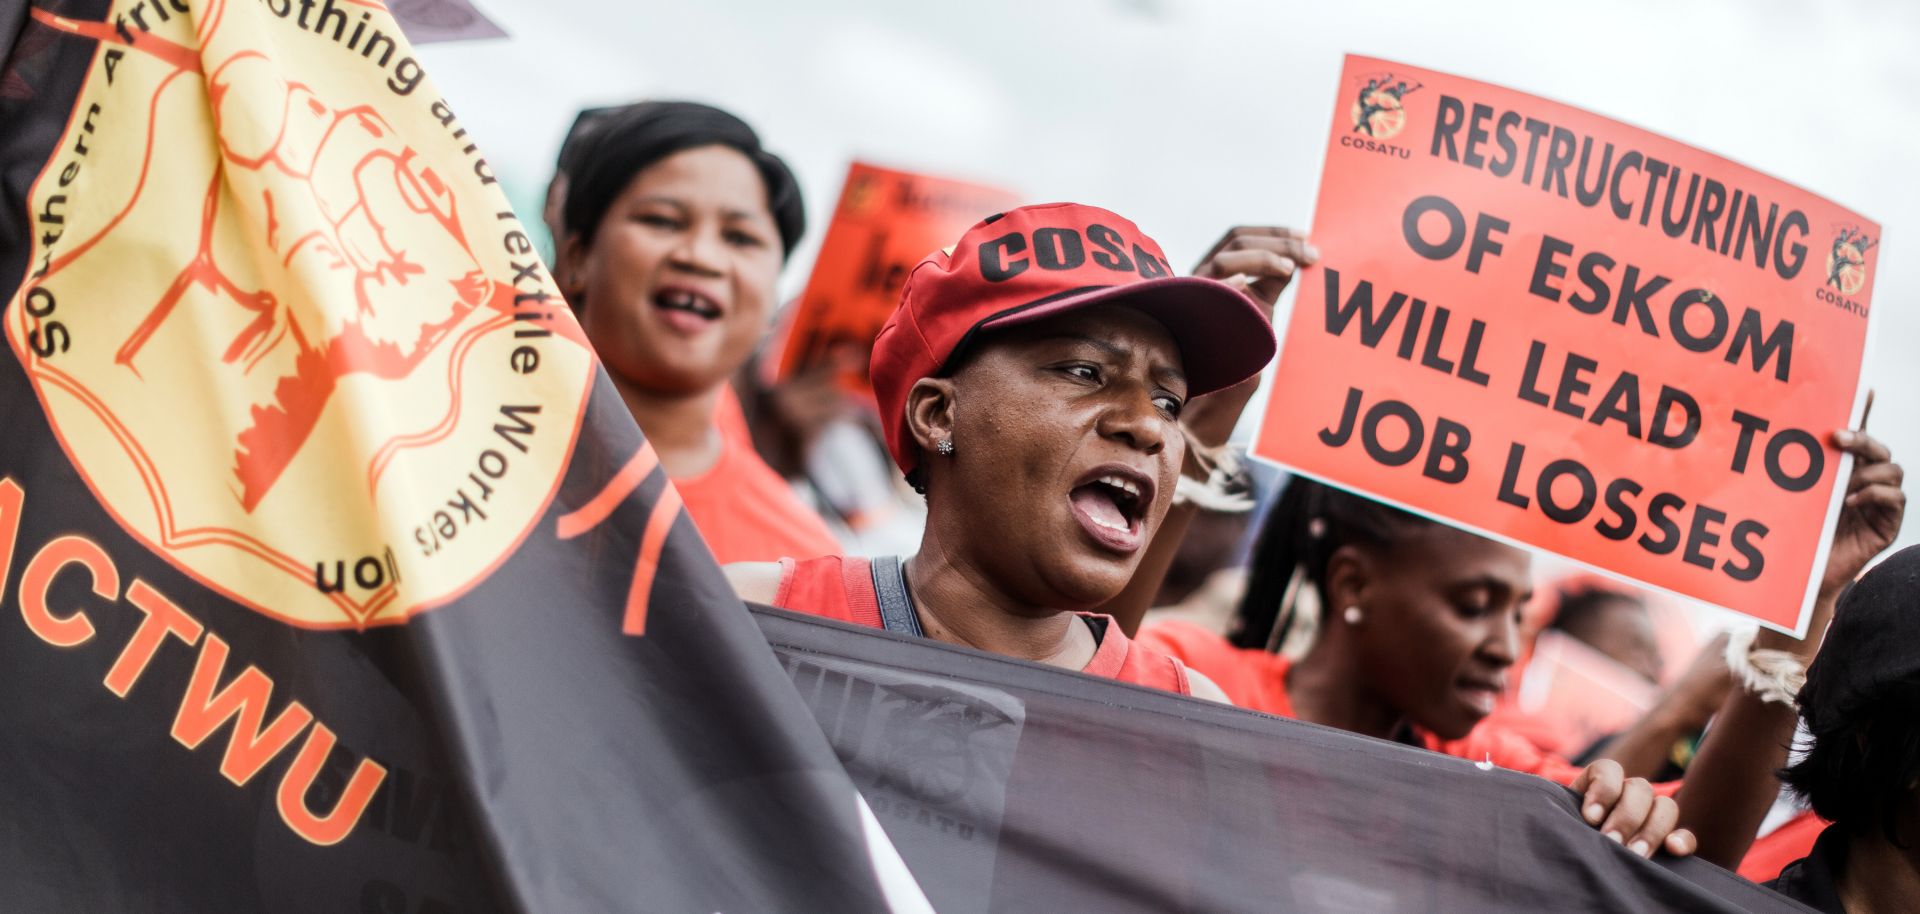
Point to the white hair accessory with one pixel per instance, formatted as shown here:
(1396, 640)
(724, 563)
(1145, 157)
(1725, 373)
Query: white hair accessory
(1228, 487)
(1774, 676)
(1297, 623)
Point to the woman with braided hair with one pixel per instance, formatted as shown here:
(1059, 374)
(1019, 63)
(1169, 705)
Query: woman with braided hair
(1421, 625)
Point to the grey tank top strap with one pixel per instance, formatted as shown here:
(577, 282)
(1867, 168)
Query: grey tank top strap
(896, 608)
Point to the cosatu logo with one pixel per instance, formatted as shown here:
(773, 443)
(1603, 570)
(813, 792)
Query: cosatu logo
(1847, 261)
(285, 324)
(1377, 111)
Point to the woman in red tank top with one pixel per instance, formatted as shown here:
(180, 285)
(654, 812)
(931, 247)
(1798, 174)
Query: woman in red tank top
(1030, 385)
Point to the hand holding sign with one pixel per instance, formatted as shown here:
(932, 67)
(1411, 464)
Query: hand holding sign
(1265, 256)
(1261, 260)
(1871, 513)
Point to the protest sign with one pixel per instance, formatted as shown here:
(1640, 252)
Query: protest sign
(885, 223)
(1573, 334)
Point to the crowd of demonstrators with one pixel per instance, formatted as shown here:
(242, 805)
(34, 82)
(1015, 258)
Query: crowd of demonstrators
(1062, 400)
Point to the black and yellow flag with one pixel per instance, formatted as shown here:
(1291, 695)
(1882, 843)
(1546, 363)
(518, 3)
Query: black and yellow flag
(333, 576)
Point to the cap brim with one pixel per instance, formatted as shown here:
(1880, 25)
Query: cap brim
(1224, 338)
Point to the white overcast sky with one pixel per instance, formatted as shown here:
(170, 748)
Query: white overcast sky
(1189, 116)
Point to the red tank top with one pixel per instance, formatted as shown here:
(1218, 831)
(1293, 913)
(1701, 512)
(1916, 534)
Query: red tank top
(838, 587)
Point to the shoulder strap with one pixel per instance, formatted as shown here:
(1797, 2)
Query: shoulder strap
(896, 607)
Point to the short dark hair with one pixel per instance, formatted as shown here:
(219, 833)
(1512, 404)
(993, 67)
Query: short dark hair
(632, 138)
(1863, 760)
(584, 125)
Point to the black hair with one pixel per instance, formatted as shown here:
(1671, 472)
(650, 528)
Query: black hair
(1580, 607)
(1861, 766)
(1305, 527)
(632, 138)
(585, 124)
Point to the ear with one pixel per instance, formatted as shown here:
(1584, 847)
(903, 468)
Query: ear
(1349, 571)
(930, 412)
(570, 266)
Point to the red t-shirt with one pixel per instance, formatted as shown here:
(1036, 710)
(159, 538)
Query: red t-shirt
(744, 510)
(1772, 851)
(1254, 678)
(842, 588)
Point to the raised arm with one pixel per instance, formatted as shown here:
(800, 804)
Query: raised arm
(1261, 260)
(1731, 783)
(1644, 748)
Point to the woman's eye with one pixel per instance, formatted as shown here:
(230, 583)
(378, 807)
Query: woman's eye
(1473, 609)
(1083, 372)
(1171, 405)
(742, 239)
(657, 220)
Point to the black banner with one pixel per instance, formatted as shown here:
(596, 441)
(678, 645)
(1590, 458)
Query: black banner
(1008, 786)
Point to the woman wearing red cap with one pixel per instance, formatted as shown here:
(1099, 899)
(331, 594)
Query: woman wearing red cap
(1031, 385)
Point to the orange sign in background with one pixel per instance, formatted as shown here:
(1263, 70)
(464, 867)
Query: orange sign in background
(1577, 335)
(886, 222)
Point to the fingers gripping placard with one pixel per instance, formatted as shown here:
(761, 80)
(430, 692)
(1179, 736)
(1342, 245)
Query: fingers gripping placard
(1578, 335)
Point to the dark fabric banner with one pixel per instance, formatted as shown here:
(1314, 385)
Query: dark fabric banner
(1009, 786)
(333, 575)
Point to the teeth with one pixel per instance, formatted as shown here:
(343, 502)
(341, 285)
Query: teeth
(1100, 523)
(1123, 485)
(682, 301)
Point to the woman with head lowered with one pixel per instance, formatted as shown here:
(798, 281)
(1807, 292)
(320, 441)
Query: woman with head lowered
(1421, 627)
(676, 226)
(1030, 385)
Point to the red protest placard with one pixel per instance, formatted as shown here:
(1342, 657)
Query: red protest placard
(885, 223)
(1573, 334)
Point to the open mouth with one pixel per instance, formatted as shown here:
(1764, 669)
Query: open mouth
(1110, 503)
(1481, 694)
(696, 306)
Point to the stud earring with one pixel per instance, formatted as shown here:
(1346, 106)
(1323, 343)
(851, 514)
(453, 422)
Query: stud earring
(945, 447)
(1352, 615)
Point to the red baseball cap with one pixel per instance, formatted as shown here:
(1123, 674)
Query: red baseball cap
(1034, 262)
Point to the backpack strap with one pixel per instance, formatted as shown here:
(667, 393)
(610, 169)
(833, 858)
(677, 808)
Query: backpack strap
(896, 607)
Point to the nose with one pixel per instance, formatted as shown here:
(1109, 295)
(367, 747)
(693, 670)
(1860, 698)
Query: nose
(700, 251)
(1502, 645)
(1133, 420)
